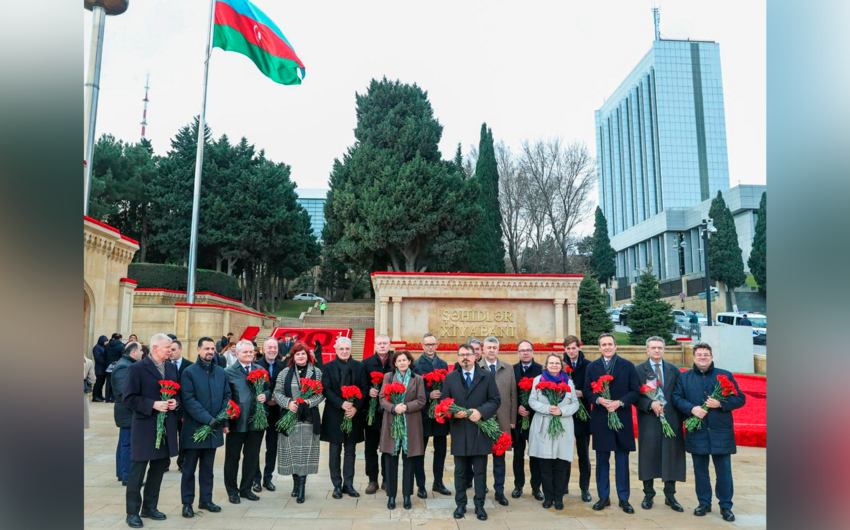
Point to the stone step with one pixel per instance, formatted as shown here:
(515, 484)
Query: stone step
(358, 338)
(351, 309)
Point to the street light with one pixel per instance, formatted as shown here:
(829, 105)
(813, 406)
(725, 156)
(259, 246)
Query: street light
(707, 228)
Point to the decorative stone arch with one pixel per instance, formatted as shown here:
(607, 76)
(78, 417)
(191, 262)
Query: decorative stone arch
(89, 311)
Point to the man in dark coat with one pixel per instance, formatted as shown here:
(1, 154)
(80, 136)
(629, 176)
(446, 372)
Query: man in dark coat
(507, 413)
(526, 367)
(625, 391)
(474, 388)
(243, 442)
(274, 368)
(342, 371)
(182, 364)
(379, 362)
(659, 456)
(716, 438)
(574, 358)
(204, 393)
(425, 364)
(142, 395)
(113, 351)
(123, 416)
(99, 354)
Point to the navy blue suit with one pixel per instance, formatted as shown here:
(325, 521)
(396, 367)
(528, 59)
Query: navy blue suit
(520, 438)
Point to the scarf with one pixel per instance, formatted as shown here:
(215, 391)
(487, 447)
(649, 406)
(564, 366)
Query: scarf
(402, 443)
(306, 413)
(562, 377)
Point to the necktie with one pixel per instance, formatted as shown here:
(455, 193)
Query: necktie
(173, 362)
(493, 368)
(658, 373)
(574, 365)
(468, 380)
(246, 369)
(271, 370)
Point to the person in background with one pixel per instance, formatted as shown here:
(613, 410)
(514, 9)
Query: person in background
(114, 350)
(122, 415)
(574, 357)
(222, 344)
(322, 307)
(694, 322)
(88, 383)
(230, 354)
(526, 367)
(132, 338)
(274, 368)
(745, 321)
(317, 354)
(100, 364)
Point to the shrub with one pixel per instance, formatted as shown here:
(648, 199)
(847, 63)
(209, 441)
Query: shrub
(175, 277)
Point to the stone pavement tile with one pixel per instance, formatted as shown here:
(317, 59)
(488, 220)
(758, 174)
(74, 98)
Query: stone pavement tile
(438, 523)
(362, 513)
(234, 523)
(417, 515)
(749, 521)
(450, 503)
(92, 507)
(558, 523)
(318, 524)
(279, 512)
(101, 521)
(689, 520)
(627, 521)
(387, 525)
(471, 523)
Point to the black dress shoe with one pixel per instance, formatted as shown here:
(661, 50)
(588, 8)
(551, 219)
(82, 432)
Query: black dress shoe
(249, 495)
(601, 504)
(585, 496)
(480, 513)
(383, 486)
(501, 499)
(407, 504)
(647, 502)
(337, 494)
(123, 482)
(257, 487)
(209, 506)
(188, 511)
(673, 504)
(154, 514)
(727, 514)
(537, 494)
(391, 503)
(701, 510)
(268, 485)
(99, 400)
(421, 493)
(180, 468)
(626, 507)
(559, 505)
(134, 521)
(459, 511)
(441, 488)
(516, 493)
(547, 504)
(350, 491)
(234, 499)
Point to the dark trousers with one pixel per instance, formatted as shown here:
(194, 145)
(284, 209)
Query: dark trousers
(244, 445)
(181, 453)
(724, 489)
(373, 441)
(408, 465)
(271, 456)
(155, 469)
(603, 470)
(499, 473)
(520, 444)
(439, 462)
(554, 477)
(479, 470)
(206, 457)
(97, 391)
(122, 455)
(346, 476)
(109, 396)
(649, 488)
(583, 457)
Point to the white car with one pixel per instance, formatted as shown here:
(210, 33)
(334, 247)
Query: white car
(310, 297)
(684, 315)
(614, 315)
(757, 320)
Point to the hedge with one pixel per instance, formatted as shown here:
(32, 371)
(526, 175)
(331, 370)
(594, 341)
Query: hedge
(175, 277)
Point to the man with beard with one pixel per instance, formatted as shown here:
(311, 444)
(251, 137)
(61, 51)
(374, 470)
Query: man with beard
(380, 362)
(575, 359)
(274, 368)
(427, 363)
(526, 367)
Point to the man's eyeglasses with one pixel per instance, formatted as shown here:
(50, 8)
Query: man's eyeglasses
(430, 345)
(466, 354)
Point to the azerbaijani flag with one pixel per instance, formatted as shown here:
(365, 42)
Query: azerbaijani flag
(241, 27)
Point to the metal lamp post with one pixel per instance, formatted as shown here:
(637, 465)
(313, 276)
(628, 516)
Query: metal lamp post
(706, 227)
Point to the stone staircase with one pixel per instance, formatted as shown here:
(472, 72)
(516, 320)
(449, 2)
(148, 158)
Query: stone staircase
(357, 339)
(349, 309)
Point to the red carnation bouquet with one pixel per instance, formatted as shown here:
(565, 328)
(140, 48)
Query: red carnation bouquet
(446, 408)
(309, 388)
(167, 390)
(435, 380)
(554, 393)
(525, 385)
(653, 391)
(502, 444)
(602, 386)
(230, 413)
(377, 378)
(259, 378)
(394, 393)
(722, 390)
(350, 394)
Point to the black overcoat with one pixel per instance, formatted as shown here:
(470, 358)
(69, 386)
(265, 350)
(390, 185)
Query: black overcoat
(277, 369)
(123, 416)
(533, 370)
(242, 392)
(141, 389)
(483, 395)
(625, 388)
(204, 393)
(373, 364)
(113, 351)
(333, 414)
(422, 366)
(717, 435)
(660, 456)
(99, 353)
(580, 428)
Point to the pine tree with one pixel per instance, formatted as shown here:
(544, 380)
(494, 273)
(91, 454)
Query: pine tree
(649, 315)
(487, 251)
(591, 306)
(602, 255)
(758, 255)
(725, 260)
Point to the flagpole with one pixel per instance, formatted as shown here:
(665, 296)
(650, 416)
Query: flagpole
(199, 164)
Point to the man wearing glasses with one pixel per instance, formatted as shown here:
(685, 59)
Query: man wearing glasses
(526, 367)
(426, 364)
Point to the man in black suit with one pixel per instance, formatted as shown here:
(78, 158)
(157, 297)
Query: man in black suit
(625, 391)
(574, 358)
(176, 358)
(473, 388)
(274, 368)
(431, 428)
(379, 362)
(526, 367)
(142, 395)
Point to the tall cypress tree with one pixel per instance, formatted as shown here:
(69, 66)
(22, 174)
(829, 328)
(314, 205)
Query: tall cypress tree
(591, 306)
(487, 251)
(602, 255)
(725, 260)
(649, 315)
(758, 256)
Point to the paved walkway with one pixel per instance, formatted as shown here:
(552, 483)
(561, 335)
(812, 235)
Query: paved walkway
(104, 500)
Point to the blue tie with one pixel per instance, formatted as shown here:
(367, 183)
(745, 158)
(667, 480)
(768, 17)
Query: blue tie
(468, 380)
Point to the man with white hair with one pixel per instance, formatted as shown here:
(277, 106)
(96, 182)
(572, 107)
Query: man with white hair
(380, 362)
(274, 367)
(142, 395)
(507, 412)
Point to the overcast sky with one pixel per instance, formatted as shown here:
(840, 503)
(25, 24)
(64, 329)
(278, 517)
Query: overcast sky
(529, 69)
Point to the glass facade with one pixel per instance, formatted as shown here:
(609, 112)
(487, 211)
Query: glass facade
(313, 201)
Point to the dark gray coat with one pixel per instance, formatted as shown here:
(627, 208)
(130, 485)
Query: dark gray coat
(625, 387)
(373, 364)
(123, 416)
(242, 392)
(204, 393)
(660, 456)
(333, 415)
(483, 395)
(141, 390)
(423, 366)
(533, 370)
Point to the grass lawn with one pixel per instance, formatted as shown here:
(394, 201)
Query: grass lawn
(751, 281)
(621, 337)
(292, 308)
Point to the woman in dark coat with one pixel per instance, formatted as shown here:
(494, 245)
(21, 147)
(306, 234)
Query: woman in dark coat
(411, 446)
(99, 354)
(575, 359)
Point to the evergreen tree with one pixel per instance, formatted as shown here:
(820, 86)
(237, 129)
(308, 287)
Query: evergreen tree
(649, 315)
(487, 251)
(591, 306)
(758, 255)
(602, 255)
(725, 260)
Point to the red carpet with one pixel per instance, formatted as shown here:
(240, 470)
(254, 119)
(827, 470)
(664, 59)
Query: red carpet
(751, 419)
(369, 343)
